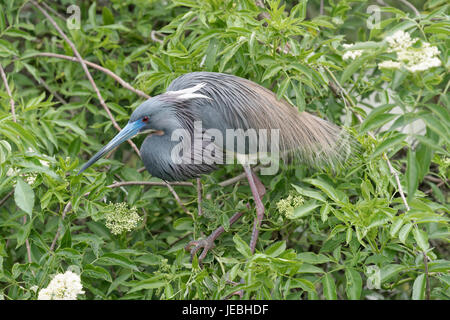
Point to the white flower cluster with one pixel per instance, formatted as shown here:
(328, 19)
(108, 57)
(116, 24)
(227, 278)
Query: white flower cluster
(351, 54)
(288, 205)
(64, 286)
(411, 58)
(120, 218)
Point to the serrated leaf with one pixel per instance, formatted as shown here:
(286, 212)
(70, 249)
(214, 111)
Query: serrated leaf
(418, 292)
(242, 247)
(276, 249)
(353, 286)
(421, 238)
(151, 283)
(118, 260)
(96, 272)
(303, 210)
(412, 174)
(24, 196)
(329, 287)
(404, 231)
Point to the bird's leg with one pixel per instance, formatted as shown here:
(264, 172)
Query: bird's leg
(258, 190)
(208, 243)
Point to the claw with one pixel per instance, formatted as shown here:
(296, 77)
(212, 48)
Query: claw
(207, 244)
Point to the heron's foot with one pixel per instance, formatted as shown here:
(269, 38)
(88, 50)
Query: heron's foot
(195, 245)
(208, 243)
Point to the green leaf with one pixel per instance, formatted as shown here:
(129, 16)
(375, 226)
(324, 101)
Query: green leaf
(303, 284)
(183, 224)
(96, 272)
(421, 238)
(304, 210)
(412, 174)
(242, 247)
(329, 287)
(66, 240)
(150, 283)
(375, 122)
(352, 68)
(313, 258)
(108, 17)
(419, 287)
(331, 192)
(24, 196)
(276, 249)
(404, 231)
(389, 271)
(354, 284)
(388, 143)
(116, 260)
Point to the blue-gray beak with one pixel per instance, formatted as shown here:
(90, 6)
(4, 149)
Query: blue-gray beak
(128, 132)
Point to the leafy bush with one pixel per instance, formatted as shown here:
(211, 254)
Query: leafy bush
(378, 68)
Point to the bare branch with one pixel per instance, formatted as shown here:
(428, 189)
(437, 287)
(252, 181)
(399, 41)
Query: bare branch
(11, 100)
(177, 198)
(124, 84)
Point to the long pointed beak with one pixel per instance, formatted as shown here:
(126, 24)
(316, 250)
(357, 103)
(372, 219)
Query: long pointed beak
(128, 132)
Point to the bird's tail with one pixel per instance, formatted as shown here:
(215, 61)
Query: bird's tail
(318, 142)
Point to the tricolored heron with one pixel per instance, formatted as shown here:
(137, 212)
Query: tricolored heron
(224, 102)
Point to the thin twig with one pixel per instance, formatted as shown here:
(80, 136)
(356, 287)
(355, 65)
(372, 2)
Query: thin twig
(6, 197)
(177, 198)
(237, 178)
(8, 91)
(67, 208)
(122, 82)
(54, 93)
(86, 71)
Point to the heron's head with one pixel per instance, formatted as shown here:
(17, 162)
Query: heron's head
(156, 115)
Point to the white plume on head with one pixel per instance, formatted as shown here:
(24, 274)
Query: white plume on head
(189, 93)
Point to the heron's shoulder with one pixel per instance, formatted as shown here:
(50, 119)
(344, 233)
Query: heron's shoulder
(211, 79)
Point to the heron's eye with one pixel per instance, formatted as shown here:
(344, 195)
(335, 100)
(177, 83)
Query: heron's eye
(145, 119)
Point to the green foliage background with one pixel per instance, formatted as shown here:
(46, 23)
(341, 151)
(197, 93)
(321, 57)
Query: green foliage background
(352, 238)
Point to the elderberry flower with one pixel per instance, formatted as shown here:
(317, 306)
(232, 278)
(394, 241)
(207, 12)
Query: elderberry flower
(288, 205)
(64, 286)
(351, 54)
(120, 218)
(413, 59)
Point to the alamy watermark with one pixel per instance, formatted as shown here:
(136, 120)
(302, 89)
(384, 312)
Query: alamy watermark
(74, 20)
(214, 146)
